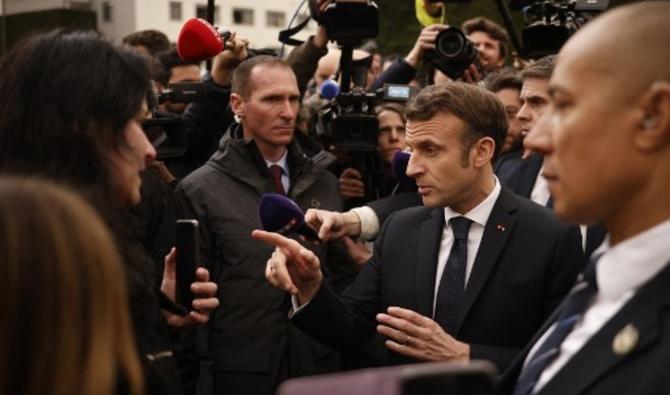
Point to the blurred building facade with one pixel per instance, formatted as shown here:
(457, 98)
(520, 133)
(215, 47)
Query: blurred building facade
(260, 21)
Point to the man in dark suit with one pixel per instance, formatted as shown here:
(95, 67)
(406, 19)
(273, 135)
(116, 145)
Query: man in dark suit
(521, 171)
(612, 333)
(471, 275)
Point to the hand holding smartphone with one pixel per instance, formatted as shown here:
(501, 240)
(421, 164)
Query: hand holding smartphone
(186, 244)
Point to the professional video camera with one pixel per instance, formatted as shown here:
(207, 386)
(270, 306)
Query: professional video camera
(349, 123)
(548, 23)
(166, 132)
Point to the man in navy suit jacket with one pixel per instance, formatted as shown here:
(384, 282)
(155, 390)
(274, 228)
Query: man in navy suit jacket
(519, 263)
(607, 159)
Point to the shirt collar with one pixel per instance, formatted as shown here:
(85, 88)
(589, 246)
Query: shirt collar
(631, 263)
(480, 214)
(282, 162)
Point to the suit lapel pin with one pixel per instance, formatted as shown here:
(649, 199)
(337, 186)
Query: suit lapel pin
(626, 340)
(315, 203)
(501, 228)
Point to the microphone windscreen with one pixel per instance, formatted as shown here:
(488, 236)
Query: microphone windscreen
(329, 89)
(198, 40)
(280, 214)
(399, 165)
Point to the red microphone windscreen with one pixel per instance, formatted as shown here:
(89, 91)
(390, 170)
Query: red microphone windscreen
(198, 40)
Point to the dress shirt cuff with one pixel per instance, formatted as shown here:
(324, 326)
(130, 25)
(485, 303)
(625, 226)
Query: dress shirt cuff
(295, 308)
(369, 222)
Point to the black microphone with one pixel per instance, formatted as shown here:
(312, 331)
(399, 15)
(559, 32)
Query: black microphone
(280, 214)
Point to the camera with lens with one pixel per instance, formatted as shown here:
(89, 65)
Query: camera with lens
(166, 132)
(549, 23)
(347, 19)
(348, 124)
(453, 53)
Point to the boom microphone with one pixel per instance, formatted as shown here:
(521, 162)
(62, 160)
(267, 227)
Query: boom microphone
(280, 214)
(198, 40)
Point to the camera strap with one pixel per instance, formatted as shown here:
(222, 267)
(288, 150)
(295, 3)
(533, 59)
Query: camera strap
(285, 36)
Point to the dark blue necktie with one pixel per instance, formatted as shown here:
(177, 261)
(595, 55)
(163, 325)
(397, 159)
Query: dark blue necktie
(571, 311)
(550, 203)
(452, 284)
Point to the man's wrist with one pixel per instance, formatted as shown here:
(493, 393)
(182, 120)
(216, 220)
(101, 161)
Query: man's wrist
(307, 294)
(352, 223)
(413, 59)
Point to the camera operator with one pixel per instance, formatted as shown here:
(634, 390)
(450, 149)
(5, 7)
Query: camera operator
(177, 71)
(488, 37)
(391, 139)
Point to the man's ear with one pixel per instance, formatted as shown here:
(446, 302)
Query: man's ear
(237, 104)
(654, 128)
(483, 151)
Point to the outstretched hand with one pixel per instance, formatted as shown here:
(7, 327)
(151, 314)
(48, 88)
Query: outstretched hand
(332, 225)
(292, 267)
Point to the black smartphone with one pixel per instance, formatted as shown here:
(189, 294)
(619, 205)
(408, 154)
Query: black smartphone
(186, 243)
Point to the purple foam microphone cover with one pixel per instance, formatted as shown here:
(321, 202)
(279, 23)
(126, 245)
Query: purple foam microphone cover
(399, 166)
(280, 214)
(329, 89)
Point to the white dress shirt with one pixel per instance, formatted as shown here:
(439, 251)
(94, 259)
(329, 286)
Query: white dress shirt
(621, 271)
(540, 193)
(479, 216)
(283, 163)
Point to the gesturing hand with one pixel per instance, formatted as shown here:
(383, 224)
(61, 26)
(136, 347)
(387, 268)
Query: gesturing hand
(291, 267)
(419, 337)
(332, 225)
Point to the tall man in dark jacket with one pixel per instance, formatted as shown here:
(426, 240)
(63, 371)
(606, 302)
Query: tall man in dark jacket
(252, 344)
(471, 275)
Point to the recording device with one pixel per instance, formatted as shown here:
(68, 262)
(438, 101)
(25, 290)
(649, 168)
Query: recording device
(167, 135)
(349, 123)
(198, 40)
(277, 213)
(453, 53)
(186, 244)
(548, 23)
(347, 19)
(166, 131)
(396, 92)
(184, 92)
